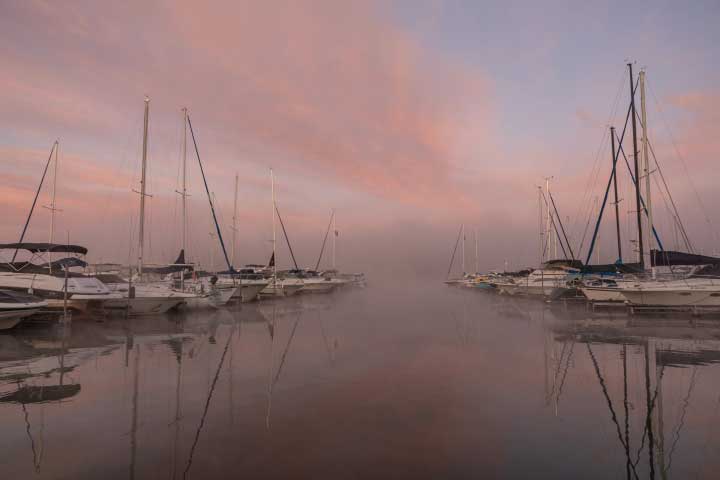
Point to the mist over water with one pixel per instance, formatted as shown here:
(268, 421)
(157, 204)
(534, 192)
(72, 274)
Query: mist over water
(404, 379)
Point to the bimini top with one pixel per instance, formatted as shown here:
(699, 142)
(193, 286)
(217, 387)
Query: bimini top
(563, 262)
(663, 258)
(44, 247)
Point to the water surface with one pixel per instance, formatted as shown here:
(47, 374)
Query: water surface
(407, 380)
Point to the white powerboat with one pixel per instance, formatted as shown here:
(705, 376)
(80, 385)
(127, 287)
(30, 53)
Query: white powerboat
(541, 282)
(48, 280)
(15, 306)
(602, 290)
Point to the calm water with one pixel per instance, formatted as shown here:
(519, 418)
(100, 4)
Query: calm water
(409, 381)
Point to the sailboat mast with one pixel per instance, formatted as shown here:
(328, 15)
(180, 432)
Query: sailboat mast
(646, 164)
(476, 251)
(617, 206)
(550, 214)
(641, 251)
(234, 223)
(184, 181)
(548, 219)
(184, 193)
(52, 203)
(335, 233)
(272, 191)
(541, 246)
(597, 237)
(463, 249)
(141, 232)
(37, 194)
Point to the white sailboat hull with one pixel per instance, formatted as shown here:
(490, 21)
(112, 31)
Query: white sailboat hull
(324, 286)
(525, 289)
(143, 305)
(249, 290)
(603, 294)
(282, 288)
(214, 299)
(690, 297)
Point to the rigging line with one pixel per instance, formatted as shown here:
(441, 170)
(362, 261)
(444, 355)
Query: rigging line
(286, 238)
(681, 423)
(207, 406)
(607, 190)
(642, 201)
(682, 160)
(326, 341)
(37, 193)
(595, 171)
(677, 215)
(452, 258)
(212, 207)
(287, 349)
(600, 215)
(547, 239)
(552, 200)
(589, 208)
(552, 222)
(585, 204)
(567, 366)
(627, 414)
(36, 461)
(609, 401)
(557, 373)
(676, 224)
(645, 431)
(672, 201)
(332, 215)
(271, 330)
(649, 407)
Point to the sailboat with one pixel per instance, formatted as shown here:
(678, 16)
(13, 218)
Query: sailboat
(207, 289)
(554, 274)
(603, 283)
(248, 284)
(697, 290)
(136, 295)
(330, 275)
(700, 290)
(278, 286)
(464, 278)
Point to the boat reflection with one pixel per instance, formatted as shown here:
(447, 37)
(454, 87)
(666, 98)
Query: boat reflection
(657, 347)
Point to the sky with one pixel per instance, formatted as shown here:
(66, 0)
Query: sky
(408, 118)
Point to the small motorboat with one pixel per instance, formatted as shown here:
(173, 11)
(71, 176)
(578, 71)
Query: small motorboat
(14, 306)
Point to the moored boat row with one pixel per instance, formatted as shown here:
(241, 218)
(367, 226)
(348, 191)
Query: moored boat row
(38, 281)
(659, 279)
